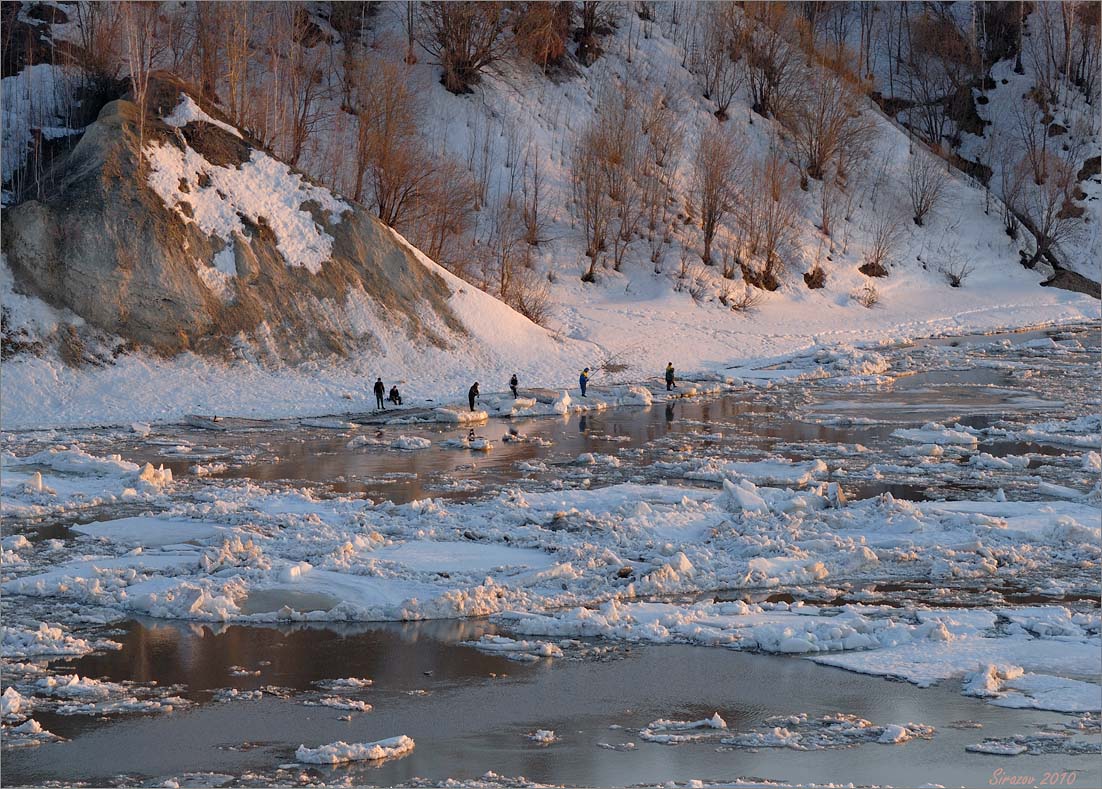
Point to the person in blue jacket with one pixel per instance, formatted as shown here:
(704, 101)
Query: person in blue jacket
(583, 379)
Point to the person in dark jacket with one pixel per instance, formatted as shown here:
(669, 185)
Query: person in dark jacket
(513, 383)
(669, 376)
(380, 392)
(472, 393)
(583, 380)
(394, 396)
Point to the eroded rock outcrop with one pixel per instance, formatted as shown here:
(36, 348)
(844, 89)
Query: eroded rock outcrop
(189, 236)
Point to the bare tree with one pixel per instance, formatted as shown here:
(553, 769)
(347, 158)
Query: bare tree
(207, 46)
(591, 196)
(663, 127)
(938, 64)
(100, 38)
(541, 30)
(502, 247)
(719, 42)
(1085, 61)
(350, 19)
(443, 213)
(466, 38)
(772, 66)
(238, 52)
(306, 88)
(926, 181)
(768, 216)
(532, 190)
(140, 23)
(596, 19)
(388, 148)
(1032, 132)
(1047, 210)
(606, 172)
(716, 170)
(829, 125)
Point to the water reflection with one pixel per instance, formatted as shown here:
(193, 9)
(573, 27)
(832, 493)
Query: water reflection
(201, 655)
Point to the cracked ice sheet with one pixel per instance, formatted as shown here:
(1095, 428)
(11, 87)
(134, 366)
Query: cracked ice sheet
(923, 646)
(526, 551)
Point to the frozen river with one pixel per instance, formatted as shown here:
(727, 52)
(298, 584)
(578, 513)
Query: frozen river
(614, 577)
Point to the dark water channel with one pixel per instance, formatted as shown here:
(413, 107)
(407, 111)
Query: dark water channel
(469, 713)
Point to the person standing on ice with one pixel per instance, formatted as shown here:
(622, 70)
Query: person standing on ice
(380, 392)
(472, 393)
(669, 376)
(513, 383)
(583, 380)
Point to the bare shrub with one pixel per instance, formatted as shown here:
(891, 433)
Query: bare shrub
(466, 38)
(613, 362)
(887, 232)
(926, 181)
(698, 286)
(815, 278)
(867, 296)
(764, 278)
(956, 271)
(742, 298)
(530, 295)
(681, 276)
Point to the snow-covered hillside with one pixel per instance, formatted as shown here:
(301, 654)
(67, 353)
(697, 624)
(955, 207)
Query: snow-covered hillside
(659, 303)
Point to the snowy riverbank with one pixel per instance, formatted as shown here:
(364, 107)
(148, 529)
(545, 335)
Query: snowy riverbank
(44, 392)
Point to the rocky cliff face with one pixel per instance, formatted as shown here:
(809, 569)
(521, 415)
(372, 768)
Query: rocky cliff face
(188, 236)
